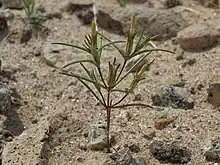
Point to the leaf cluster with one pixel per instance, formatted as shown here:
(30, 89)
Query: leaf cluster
(99, 84)
(29, 6)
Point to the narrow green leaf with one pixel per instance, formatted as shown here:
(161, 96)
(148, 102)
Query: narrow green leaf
(139, 41)
(75, 46)
(119, 90)
(116, 47)
(151, 50)
(77, 62)
(92, 76)
(96, 85)
(87, 48)
(130, 70)
(108, 44)
(80, 77)
(126, 94)
(88, 41)
(132, 105)
(143, 44)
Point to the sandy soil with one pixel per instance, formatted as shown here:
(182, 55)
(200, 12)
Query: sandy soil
(45, 92)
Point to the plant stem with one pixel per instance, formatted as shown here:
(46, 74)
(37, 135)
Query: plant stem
(108, 108)
(122, 69)
(101, 75)
(108, 129)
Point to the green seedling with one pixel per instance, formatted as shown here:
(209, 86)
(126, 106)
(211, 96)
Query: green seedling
(29, 7)
(122, 3)
(103, 86)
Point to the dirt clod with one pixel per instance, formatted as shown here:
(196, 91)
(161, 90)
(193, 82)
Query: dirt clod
(170, 153)
(197, 37)
(175, 97)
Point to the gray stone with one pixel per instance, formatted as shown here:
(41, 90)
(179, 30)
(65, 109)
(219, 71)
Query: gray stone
(26, 35)
(98, 144)
(6, 13)
(30, 147)
(172, 3)
(5, 99)
(12, 4)
(170, 153)
(96, 130)
(124, 159)
(189, 62)
(210, 3)
(84, 11)
(134, 148)
(197, 37)
(3, 28)
(212, 152)
(164, 23)
(97, 136)
(171, 96)
(214, 94)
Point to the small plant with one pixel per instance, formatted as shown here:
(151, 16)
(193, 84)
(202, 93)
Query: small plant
(34, 18)
(122, 2)
(104, 87)
(29, 7)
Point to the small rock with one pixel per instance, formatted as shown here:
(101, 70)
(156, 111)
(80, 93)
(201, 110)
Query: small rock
(16, 101)
(172, 3)
(134, 148)
(179, 57)
(124, 159)
(5, 99)
(12, 4)
(154, 21)
(98, 144)
(200, 86)
(34, 121)
(189, 62)
(79, 159)
(174, 41)
(26, 35)
(135, 1)
(212, 154)
(137, 97)
(197, 37)
(156, 72)
(150, 135)
(84, 11)
(97, 137)
(50, 60)
(3, 28)
(210, 3)
(6, 13)
(170, 153)
(82, 147)
(214, 94)
(56, 15)
(192, 91)
(37, 52)
(96, 130)
(171, 96)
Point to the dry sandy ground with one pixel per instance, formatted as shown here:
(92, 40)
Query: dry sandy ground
(44, 91)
